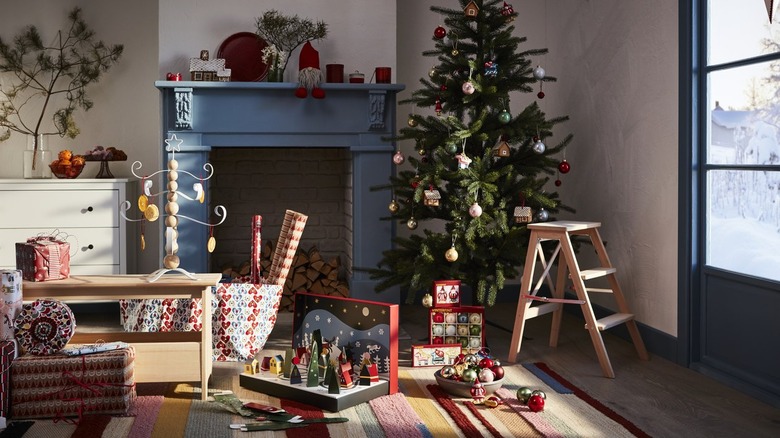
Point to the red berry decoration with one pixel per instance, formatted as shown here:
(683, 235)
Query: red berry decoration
(439, 32)
(443, 88)
(564, 166)
(540, 95)
(536, 403)
(558, 182)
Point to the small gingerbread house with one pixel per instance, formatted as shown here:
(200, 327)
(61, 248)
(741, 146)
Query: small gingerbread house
(471, 10)
(204, 69)
(523, 215)
(502, 150)
(432, 198)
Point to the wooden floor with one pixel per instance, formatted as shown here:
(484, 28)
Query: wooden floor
(662, 398)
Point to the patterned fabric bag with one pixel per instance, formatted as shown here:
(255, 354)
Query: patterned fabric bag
(243, 313)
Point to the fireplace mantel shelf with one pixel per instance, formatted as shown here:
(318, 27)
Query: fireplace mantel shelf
(360, 117)
(274, 85)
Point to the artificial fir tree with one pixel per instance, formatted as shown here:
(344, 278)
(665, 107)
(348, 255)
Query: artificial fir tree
(476, 161)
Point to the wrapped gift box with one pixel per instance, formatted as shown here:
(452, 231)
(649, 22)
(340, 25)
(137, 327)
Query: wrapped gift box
(463, 325)
(446, 293)
(43, 259)
(67, 386)
(7, 353)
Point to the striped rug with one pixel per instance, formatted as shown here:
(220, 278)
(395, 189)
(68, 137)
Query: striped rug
(421, 409)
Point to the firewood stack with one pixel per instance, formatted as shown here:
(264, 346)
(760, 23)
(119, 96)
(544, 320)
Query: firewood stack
(309, 273)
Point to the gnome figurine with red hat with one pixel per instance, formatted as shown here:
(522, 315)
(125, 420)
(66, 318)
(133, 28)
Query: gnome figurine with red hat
(309, 74)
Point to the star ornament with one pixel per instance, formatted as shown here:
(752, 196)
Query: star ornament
(173, 144)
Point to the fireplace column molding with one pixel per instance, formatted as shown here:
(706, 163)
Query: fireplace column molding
(360, 117)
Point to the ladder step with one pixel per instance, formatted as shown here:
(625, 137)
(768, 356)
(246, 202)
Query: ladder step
(599, 290)
(553, 300)
(612, 320)
(588, 274)
(542, 309)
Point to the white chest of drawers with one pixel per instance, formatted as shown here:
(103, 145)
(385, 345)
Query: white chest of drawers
(87, 210)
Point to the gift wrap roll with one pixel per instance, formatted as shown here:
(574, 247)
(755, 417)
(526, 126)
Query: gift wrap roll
(44, 326)
(10, 302)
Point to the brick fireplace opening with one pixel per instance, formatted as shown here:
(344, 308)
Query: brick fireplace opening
(236, 123)
(317, 181)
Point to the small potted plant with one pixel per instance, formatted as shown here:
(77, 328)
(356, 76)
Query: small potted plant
(47, 82)
(285, 34)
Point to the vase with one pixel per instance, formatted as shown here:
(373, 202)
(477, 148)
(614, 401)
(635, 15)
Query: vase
(37, 158)
(276, 75)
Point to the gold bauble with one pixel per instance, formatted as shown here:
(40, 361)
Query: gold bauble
(451, 255)
(411, 224)
(411, 122)
(393, 207)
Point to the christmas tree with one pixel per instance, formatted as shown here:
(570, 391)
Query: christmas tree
(481, 173)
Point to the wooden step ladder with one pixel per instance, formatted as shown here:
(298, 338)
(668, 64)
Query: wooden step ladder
(562, 231)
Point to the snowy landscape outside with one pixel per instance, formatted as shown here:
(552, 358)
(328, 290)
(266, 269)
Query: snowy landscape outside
(743, 205)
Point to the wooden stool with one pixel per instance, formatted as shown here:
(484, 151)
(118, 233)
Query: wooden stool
(562, 232)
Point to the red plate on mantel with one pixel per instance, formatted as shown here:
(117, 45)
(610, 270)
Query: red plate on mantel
(243, 55)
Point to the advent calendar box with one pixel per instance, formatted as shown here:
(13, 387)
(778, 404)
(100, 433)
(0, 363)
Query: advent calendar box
(356, 329)
(463, 325)
(446, 293)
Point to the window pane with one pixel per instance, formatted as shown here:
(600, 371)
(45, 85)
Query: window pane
(743, 211)
(740, 29)
(745, 114)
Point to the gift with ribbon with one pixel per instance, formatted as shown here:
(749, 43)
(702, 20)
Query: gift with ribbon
(60, 386)
(43, 258)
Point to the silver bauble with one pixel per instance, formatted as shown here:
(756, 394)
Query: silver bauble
(539, 147)
(539, 72)
(542, 215)
(411, 224)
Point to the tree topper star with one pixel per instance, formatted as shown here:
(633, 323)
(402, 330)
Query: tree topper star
(173, 143)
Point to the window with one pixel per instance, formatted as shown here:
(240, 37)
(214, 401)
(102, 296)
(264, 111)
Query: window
(742, 168)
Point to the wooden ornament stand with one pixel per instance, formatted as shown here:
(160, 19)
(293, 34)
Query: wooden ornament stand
(172, 218)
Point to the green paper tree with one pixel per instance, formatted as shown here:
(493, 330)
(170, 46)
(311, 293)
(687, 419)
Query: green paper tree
(512, 158)
(313, 374)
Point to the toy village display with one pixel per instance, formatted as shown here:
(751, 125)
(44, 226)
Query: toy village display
(344, 352)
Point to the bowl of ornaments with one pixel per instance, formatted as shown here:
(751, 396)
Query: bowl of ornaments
(471, 375)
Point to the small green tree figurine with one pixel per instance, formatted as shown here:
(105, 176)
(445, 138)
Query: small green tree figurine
(36, 78)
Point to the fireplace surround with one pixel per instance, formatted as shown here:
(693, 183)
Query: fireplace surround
(360, 117)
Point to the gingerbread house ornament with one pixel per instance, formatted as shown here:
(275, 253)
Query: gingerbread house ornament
(432, 198)
(471, 10)
(502, 150)
(523, 215)
(204, 69)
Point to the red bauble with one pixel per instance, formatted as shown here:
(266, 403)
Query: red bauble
(536, 403)
(486, 363)
(440, 340)
(564, 166)
(438, 317)
(443, 88)
(498, 370)
(558, 182)
(540, 95)
(439, 32)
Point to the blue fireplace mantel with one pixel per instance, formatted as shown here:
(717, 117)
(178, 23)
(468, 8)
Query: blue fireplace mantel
(360, 117)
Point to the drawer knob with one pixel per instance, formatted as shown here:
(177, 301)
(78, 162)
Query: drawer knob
(90, 246)
(90, 208)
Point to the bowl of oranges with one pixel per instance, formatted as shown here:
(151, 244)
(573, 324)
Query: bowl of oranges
(67, 165)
